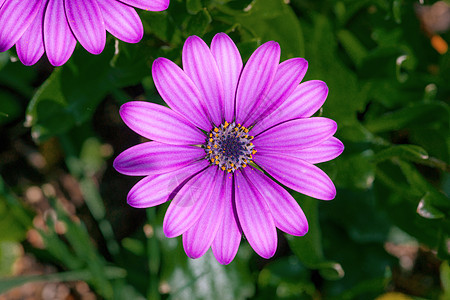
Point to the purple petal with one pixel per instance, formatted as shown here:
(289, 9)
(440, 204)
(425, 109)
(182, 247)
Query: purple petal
(286, 213)
(15, 17)
(152, 5)
(229, 62)
(159, 123)
(156, 189)
(190, 203)
(121, 20)
(1, 3)
(198, 238)
(58, 38)
(30, 46)
(287, 78)
(254, 216)
(155, 158)
(256, 78)
(328, 150)
(86, 21)
(296, 134)
(179, 92)
(228, 236)
(200, 66)
(297, 174)
(307, 98)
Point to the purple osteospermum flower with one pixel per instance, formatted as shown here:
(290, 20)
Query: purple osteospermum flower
(224, 121)
(54, 26)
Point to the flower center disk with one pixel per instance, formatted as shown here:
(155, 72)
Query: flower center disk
(229, 146)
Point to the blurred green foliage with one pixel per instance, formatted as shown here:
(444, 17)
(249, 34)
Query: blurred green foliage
(389, 93)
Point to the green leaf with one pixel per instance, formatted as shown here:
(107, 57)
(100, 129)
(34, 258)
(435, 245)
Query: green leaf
(427, 210)
(9, 253)
(13, 215)
(71, 94)
(445, 279)
(354, 48)
(418, 114)
(285, 277)
(309, 247)
(396, 11)
(352, 171)
(198, 24)
(407, 152)
(345, 97)
(272, 20)
(194, 6)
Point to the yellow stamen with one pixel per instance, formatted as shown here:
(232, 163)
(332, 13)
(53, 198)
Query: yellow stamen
(244, 165)
(216, 129)
(217, 162)
(212, 159)
(211, 140)
(223, 168)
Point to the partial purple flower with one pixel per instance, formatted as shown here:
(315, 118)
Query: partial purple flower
(231, 136)
(55, 26)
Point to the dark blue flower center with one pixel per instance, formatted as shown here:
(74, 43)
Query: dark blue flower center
(229, 147)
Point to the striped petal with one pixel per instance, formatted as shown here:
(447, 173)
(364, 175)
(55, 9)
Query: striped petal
(198, 238)
(256, 79)
(254, 216)
(229, 62)
(121, 20)
(307, 98)
(296, 134)
(156, 189)
(297, 174)
(59, 40)
(200, 66)
(155, 158)
(15, 18)
(30, 46)
(190, 203)
(228, 236)
(159, 123)
(152, 5)
(179, 92)
(86, 21)
(328, 150)
(288, 77)
(287, 214)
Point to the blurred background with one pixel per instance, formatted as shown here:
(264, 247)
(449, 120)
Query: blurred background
(66, 231)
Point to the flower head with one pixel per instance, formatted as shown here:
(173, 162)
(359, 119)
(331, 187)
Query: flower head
(54, 26)
(227, 130)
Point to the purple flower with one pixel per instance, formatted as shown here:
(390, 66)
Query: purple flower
(54, 26)
(227, 130)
